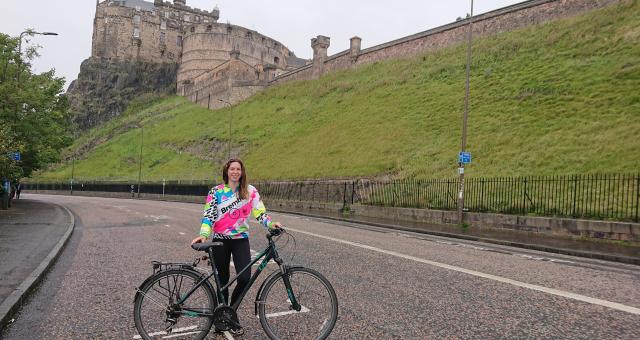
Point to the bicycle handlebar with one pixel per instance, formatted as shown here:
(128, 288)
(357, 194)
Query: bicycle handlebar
(276, 232)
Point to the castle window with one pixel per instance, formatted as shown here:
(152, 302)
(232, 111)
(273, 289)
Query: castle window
(136, 19)
(137, 8)
(162, 38)
(209, 27)
(136, 33)
(229, 28)
(193, 29)
(249, 35)
(187, 18)
(167, 14)
(197, 18)
(179, 41)
(163, 25)
(276, 60)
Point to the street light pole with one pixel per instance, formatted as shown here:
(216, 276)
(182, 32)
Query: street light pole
(28, 32)
(140, 158)
(229, 140)
(73, 168)
(464, 124)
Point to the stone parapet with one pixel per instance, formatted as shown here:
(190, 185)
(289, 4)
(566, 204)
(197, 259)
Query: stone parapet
(509, 18)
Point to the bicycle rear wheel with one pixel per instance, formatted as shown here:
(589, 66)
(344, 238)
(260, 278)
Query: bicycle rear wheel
(313, 292)
(155, 306)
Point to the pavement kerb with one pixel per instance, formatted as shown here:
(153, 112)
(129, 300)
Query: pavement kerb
(14, 301)
(563, 251)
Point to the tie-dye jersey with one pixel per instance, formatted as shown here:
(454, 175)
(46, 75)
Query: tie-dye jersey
(229, 216)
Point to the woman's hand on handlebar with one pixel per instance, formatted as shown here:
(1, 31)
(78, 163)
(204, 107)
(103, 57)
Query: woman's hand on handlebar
(276, 229)
(198, 239)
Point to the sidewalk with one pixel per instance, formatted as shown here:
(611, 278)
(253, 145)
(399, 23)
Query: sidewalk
(32, 234)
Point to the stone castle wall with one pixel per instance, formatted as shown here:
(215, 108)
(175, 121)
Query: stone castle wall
(222, 64)
(207, 46)
(505, 19)
(140, 30)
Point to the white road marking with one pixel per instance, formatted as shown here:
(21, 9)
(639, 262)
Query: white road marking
(181, 334)
(302, 310)
(578, 297)
(227, 335)
(175, 330)
(181, 233)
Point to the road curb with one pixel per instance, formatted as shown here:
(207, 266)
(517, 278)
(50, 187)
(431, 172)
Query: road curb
(563, 251)
(14, 301)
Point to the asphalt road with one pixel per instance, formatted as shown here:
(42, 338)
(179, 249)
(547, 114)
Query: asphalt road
(390, 284)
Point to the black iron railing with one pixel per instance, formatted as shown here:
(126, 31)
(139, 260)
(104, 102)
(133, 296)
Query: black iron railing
(605, 196)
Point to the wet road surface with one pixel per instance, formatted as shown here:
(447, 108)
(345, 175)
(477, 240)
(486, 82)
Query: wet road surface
(390, 284)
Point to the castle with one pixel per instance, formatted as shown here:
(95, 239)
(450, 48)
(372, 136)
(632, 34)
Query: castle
(237, 60)
(222, 64)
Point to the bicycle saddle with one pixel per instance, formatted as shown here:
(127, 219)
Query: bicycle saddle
(204, 246)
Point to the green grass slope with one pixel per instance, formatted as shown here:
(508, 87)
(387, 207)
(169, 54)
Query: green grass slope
(557, 98)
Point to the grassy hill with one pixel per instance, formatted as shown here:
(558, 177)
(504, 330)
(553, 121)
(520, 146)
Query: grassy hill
(562, 97)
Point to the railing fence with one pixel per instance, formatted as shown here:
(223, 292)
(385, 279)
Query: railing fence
(598, 196)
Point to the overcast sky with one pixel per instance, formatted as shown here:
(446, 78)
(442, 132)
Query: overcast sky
(292, 22)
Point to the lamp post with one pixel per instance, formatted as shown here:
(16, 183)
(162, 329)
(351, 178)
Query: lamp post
(28, 32)
(73, 168)
(140, 159)
(229, 140)
(464, 124)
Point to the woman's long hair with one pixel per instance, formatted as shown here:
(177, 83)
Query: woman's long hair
(243, 187)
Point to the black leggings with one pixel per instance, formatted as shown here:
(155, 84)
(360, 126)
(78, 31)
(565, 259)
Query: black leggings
(241, 258)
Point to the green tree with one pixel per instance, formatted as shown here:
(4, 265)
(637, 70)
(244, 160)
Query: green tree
(34, 118)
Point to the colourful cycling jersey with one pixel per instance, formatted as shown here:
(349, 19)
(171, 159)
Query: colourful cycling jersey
(229, 216)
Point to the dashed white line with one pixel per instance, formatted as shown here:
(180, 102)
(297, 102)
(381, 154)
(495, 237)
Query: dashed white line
(578, 297)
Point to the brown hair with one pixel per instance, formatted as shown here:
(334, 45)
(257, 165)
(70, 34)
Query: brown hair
(243, 187)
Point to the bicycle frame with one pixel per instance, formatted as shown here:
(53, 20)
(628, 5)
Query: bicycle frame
(268, 254)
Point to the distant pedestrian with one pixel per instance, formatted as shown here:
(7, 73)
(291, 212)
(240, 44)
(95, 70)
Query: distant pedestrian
(18, 190)
(132, 191)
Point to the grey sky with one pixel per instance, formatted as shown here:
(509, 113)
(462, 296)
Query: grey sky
(292, 22)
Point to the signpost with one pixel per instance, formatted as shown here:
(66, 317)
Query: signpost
(15, 156)
(464, 157)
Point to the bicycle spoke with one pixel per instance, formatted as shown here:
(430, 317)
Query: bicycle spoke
(317, 300)
(159, 320)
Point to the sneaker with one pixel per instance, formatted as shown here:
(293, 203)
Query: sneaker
(237, 330)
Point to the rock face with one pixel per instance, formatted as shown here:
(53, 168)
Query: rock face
(105, 86)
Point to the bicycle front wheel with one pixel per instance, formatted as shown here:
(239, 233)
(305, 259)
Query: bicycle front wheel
(157, 314)
(313, 292)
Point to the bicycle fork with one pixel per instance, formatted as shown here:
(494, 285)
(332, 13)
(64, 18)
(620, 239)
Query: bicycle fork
(287, 284)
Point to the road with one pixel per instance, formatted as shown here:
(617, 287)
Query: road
(390, 284)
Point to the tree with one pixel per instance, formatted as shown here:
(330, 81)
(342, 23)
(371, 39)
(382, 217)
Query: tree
(34, 119)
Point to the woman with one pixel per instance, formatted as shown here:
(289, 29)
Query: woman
(227, 211)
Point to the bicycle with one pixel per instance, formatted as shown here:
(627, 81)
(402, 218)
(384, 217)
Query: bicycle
(293, 302)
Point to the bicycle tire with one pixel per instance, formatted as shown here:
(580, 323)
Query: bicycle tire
(316, 295)
(158, 293)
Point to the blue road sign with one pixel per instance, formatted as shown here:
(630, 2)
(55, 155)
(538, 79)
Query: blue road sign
(15, 156)
(464, 157)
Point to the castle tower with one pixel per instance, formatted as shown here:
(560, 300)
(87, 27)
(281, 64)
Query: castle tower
(320, 46)
(180, 2)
